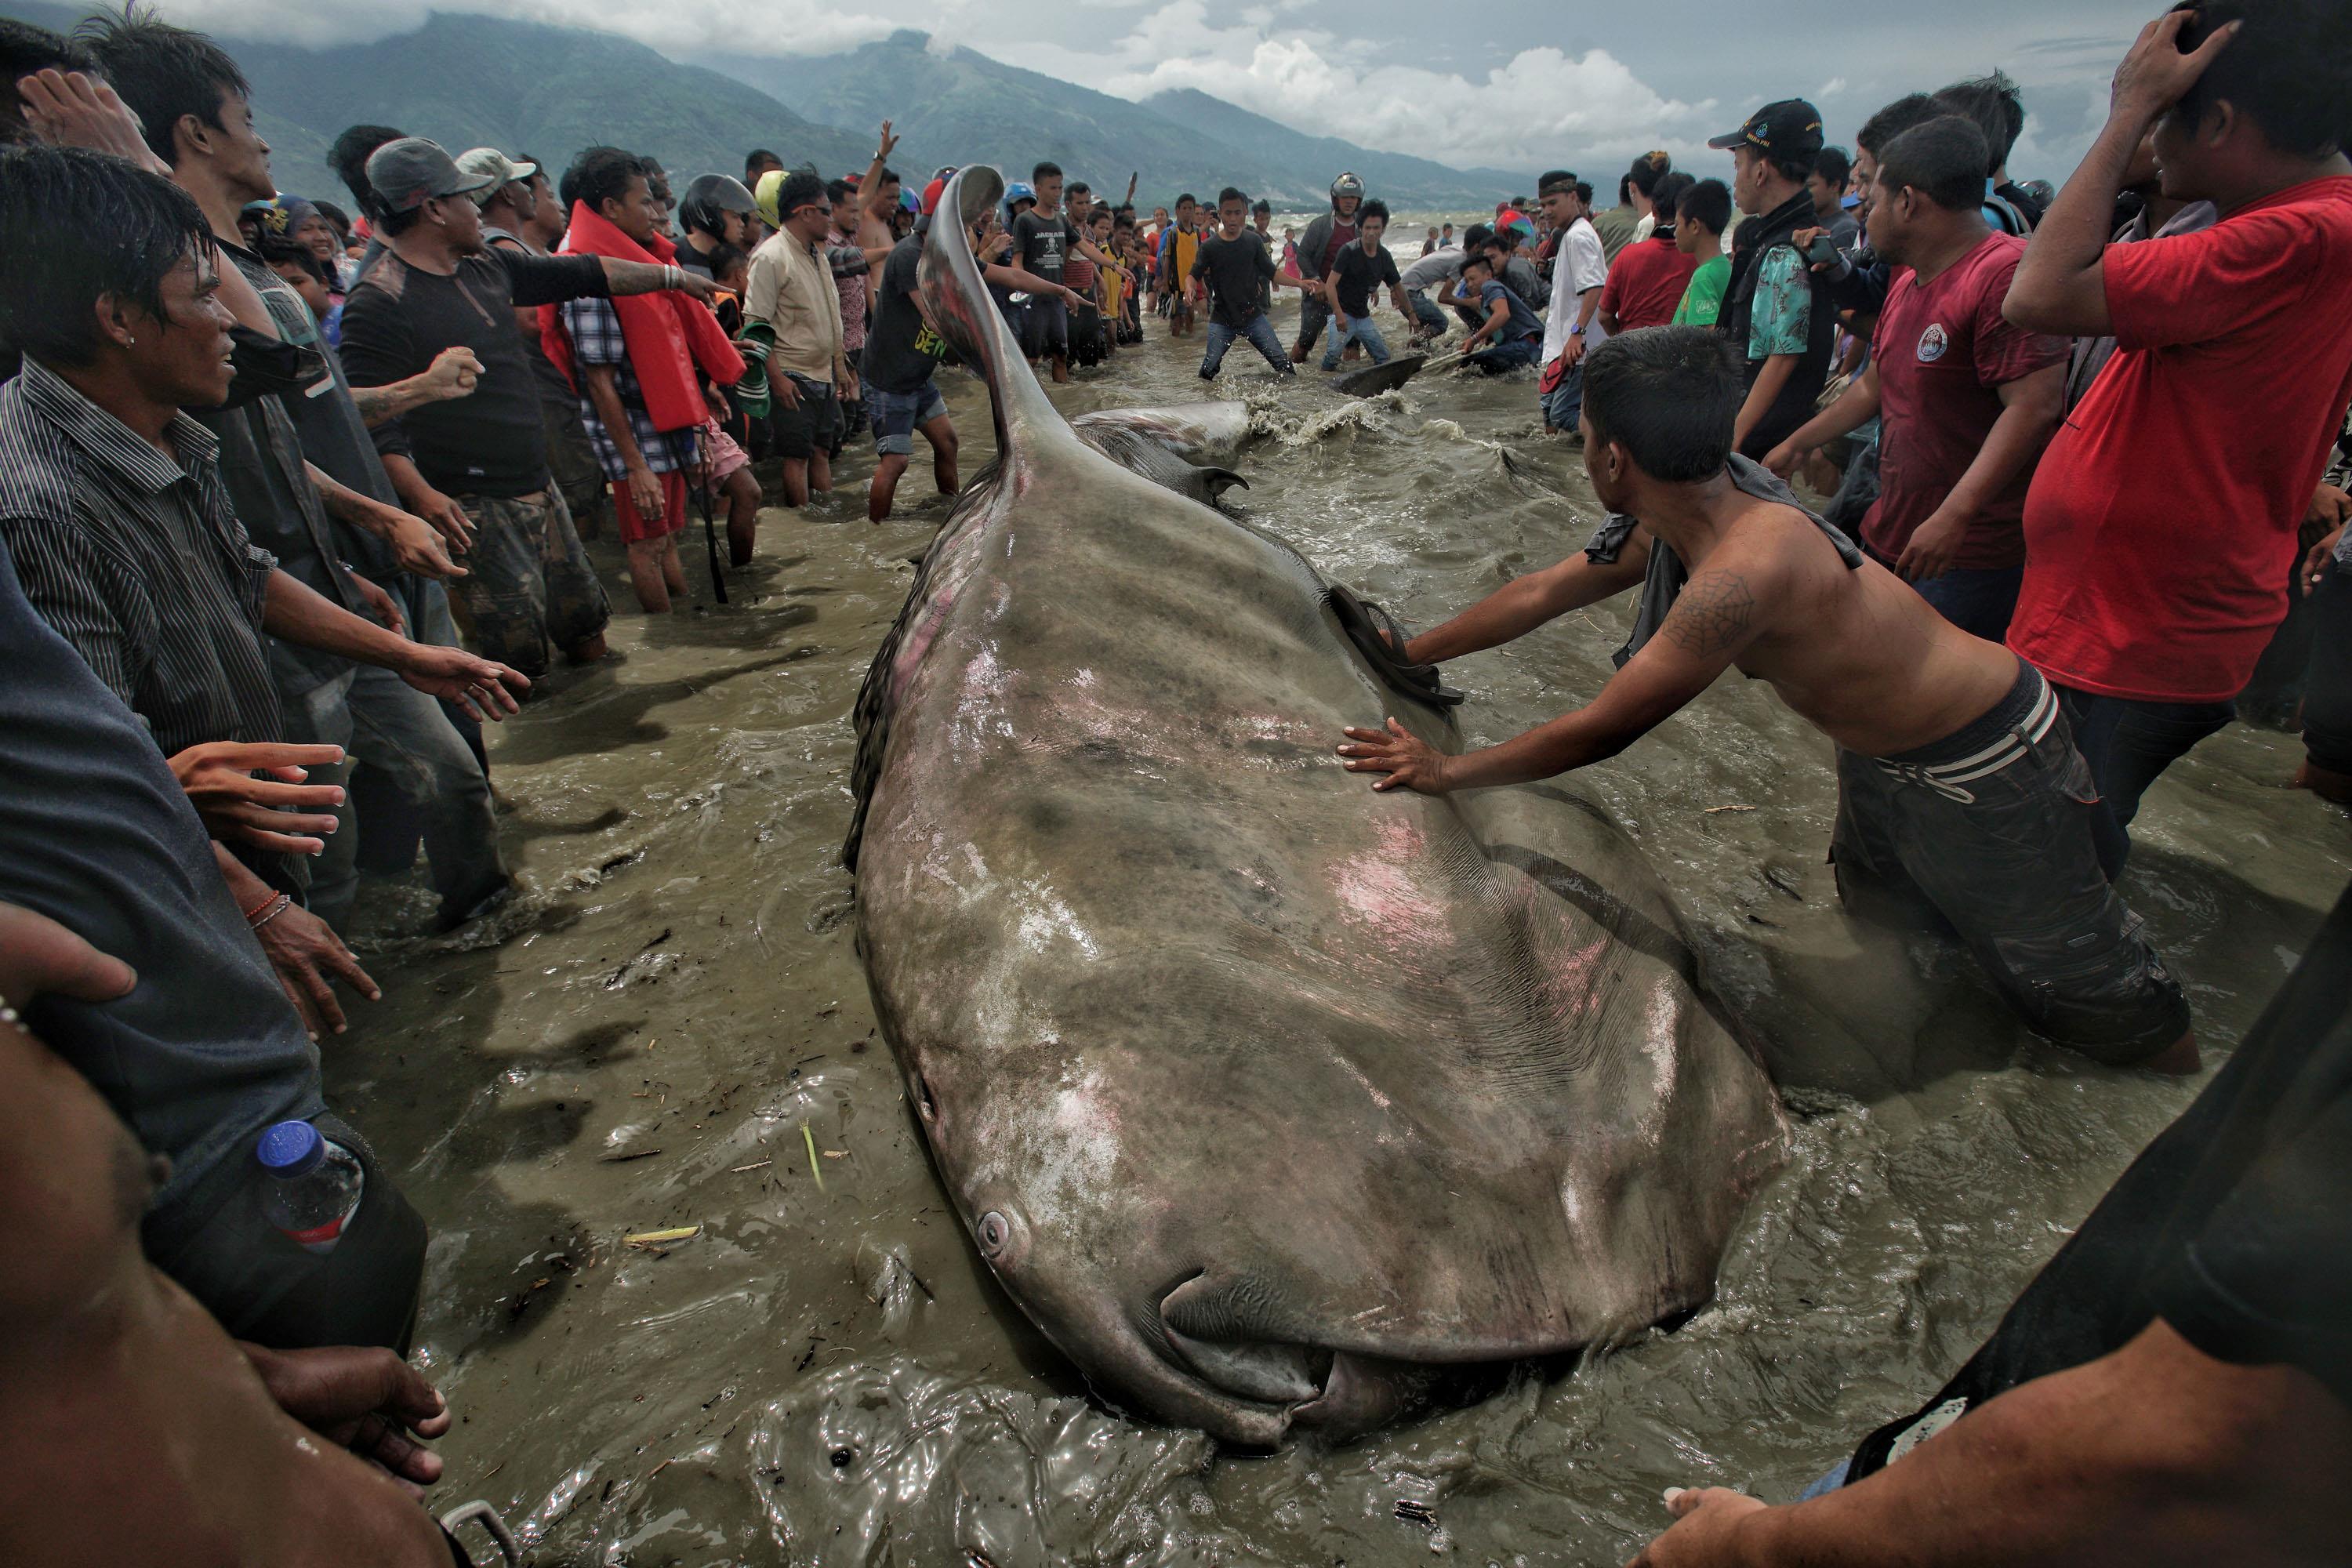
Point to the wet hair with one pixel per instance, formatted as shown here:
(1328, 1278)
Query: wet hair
(1993, 103)
(1706, 204)
(1942, 160)
(24, 49)
(1915, 109)
(348, 158)
(1831, 165)
(724, 259)
(799, 189)
(1044, 171)
(1647, 170)
(1668, 193)
(1231, 193)
(163, 72)
(134, 229)
(600, 175)
(1555, 180)
(1375, 208)
(2289, 71)
(1669, 395)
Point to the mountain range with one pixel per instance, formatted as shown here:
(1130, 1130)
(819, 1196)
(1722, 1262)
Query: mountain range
(528, 87)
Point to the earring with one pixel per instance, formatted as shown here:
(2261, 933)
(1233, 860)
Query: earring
(128, 341)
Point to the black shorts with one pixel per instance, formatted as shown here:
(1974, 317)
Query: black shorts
(1046, 329)
(1989, 833)
(805, 431)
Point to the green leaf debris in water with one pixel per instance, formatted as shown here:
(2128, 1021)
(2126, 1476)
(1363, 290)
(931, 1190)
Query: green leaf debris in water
(810, 1138)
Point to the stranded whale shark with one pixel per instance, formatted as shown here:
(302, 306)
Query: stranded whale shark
(1263, 1094)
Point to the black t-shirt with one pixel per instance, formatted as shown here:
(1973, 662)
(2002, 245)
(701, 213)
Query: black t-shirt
(1355, 275)
(1235, 269)
(2229, 1226)
(492, 442)
(901, 349)
(1044, 242)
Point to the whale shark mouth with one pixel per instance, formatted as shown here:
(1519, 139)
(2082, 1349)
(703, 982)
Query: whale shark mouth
(1341, 1392)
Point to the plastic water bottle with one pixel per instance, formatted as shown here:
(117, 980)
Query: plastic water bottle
(314, 1185)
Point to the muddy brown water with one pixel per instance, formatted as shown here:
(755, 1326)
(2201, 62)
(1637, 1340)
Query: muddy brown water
(671, 1028)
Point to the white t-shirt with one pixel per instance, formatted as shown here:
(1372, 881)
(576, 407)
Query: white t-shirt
(1580, 265)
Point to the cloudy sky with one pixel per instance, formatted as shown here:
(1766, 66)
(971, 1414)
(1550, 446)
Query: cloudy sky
(1517, 84)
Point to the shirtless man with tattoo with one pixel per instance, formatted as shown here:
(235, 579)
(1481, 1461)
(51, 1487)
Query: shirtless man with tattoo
(1962, 800)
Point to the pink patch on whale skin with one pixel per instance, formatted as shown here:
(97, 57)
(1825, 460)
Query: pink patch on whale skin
(1380, 889)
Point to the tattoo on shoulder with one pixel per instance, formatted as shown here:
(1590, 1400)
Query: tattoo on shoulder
(1713, 613)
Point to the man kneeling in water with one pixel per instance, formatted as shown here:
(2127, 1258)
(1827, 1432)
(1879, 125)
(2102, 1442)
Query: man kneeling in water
(1959, 787)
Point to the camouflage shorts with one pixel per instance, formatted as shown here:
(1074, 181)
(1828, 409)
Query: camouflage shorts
(577, 472)
(530, 589)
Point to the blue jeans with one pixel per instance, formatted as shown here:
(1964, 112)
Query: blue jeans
(1427, 314)
(1512, 355)
(1312, 313)
(1261, 335)
(1563, 405)
(1359, 330)
(1979, 601)
(2128, 744)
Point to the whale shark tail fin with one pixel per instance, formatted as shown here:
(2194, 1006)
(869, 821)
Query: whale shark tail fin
(966, 314)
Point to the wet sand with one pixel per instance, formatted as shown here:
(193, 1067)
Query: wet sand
(671, 1028)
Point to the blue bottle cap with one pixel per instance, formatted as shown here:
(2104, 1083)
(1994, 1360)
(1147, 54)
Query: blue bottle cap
(291, 1149)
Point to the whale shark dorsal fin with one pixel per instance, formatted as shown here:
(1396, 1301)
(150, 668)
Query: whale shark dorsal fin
(1028, 426)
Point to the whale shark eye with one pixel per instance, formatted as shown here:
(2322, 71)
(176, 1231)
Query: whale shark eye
(994, 1232)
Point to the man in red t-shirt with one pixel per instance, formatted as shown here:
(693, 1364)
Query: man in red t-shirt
(1966, 400)
(1647, 279)
(2161, 529)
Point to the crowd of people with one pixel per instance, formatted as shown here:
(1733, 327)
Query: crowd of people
(293, 497)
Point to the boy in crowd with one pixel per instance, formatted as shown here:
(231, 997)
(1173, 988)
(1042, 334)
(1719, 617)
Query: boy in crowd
(1827, 186)
(1348, 287)
(1701, 215)
(1231, 271)
(1774, 308)
(1958, 782)
(1580, 272)
(1649, 278)
(1968, 400)
(1440, 270)
(1180, 247)
(1509, 335)
(2160, 529)
(1046, 237)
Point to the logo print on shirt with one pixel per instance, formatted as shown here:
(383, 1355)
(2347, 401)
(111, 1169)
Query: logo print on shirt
(1933, 342)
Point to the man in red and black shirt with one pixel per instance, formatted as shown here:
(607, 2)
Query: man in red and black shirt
(2161, 529)
(1966, 400)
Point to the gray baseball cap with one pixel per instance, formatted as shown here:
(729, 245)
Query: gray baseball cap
(410, 171)
(495, 166)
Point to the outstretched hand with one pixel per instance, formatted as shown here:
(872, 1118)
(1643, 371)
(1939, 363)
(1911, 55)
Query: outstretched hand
(1410, 762)
(363, 1397)
(237, 807)
(1706, 1528)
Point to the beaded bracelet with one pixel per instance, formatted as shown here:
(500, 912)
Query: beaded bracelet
(268, 911)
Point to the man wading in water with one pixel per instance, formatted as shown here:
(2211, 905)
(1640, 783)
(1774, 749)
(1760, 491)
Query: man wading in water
(1959, 787)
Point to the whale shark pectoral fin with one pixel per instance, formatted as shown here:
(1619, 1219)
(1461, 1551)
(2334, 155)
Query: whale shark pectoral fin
(1219, 480)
